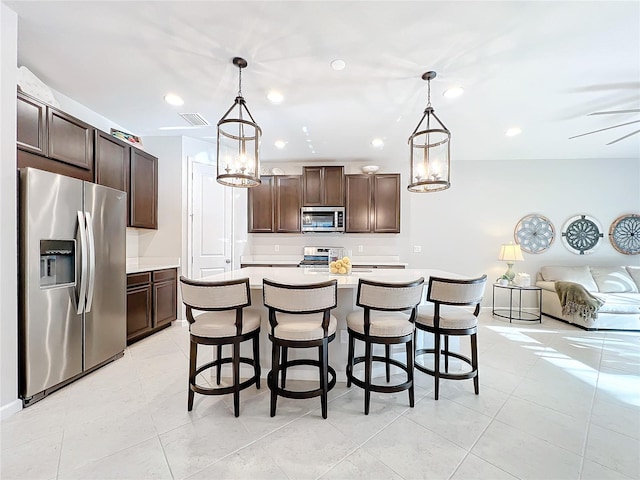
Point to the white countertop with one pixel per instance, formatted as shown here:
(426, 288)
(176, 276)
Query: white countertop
(149, 264)
(310, 275)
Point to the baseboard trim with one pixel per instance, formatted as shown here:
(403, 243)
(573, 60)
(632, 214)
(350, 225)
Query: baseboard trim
(10, 408)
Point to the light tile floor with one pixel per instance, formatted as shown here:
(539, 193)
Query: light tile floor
(555, 402)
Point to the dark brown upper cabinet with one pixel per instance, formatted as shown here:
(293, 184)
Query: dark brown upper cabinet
(50, 140)
(143, 190)
(111, 161)
(31, 124)
(274, 205)
(70, 140)
(260, 204)
(323, 186)
(288, 195)
(373, 203)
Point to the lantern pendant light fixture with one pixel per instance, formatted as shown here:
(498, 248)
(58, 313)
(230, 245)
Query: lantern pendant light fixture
(238, 142)
(429, 144)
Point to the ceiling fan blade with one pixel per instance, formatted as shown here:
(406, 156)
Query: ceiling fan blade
(603, 129)
(622, 138)
(633, 110)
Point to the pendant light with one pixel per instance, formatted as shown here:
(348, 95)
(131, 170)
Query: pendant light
(238, 142)
(430, 162)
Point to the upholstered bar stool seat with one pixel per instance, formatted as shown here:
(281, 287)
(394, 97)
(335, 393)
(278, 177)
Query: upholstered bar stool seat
(300, 317)
(452, 310)
(386, 317)
(224, 320)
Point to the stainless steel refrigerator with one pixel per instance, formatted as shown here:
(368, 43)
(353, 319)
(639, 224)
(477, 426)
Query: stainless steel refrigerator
(72, 280)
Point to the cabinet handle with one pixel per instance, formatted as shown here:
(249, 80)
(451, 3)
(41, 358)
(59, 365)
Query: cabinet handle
(227, 261)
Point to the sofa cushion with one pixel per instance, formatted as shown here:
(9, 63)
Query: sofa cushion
(634, 272)
(620, 303)
(576, 274)
(613, 280)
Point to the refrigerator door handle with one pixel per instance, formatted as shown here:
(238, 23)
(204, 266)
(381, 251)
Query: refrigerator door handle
(83, 265)
(92, 261)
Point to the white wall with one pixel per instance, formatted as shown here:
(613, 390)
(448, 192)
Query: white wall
(167, 240)
(9, 402)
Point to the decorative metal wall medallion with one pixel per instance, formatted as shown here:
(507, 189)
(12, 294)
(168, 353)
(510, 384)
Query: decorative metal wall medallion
(581, 234)
(624, 234)
(534, 233)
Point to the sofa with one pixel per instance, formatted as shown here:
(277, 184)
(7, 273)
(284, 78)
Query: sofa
(616, 288)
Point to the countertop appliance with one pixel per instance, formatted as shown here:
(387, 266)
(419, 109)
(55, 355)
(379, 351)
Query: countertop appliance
(72, 313)
(322, 219)
(319, 256)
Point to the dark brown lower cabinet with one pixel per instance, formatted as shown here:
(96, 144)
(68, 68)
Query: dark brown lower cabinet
(151, 302)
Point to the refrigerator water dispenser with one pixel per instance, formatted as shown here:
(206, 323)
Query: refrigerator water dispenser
(57, 263)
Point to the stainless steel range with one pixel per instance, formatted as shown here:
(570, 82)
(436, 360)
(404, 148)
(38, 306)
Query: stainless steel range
(319, 256)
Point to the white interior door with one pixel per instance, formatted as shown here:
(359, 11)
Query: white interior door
(211, 223)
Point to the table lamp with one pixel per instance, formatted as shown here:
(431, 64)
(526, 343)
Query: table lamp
(510, 253)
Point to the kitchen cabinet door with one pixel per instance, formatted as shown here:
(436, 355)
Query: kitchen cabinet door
(69, 140)
(31, 124)
(111, 161)
(143, 189)
(373, 203)
(139, 313)
(386, 203)
(288, 197)
(165, 287)
(260, 204)
(358, 203)
(323, 186)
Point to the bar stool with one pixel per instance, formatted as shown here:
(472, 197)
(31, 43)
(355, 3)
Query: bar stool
(300, 317)
(448, 321)
(226, 321)
(383, 320)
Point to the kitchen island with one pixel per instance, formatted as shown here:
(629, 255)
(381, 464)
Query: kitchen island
(347, 291)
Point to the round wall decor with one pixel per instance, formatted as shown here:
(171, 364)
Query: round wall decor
(582, 234)
(534, 233)
(624, 234)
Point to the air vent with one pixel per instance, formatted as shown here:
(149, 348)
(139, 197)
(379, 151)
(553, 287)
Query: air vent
(195, 119)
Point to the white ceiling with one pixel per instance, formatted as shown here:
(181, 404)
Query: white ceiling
(542, 66)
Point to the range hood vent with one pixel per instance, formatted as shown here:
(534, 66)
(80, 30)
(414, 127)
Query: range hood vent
(195, 119)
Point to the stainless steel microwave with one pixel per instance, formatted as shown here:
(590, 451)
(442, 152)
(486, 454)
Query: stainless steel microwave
(322, 219)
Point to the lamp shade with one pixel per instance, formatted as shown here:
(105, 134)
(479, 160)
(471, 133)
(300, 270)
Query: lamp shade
(510, 253)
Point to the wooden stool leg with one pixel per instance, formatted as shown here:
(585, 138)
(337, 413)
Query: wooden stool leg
(324, 374)
(285, 355)
(436, 367)
(193, 352)
(273, 380)
(474, 362)
(410, 372)
(236, 379)
(256, 359)
(219, 367)
(350, 360)
(367, 376)
(387, 354)
(446, 353)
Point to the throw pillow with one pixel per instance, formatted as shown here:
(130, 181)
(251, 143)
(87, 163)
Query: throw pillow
(634, 272)
(577, 274)
(613, 280)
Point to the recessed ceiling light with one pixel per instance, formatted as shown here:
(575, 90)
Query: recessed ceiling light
(338, 64)
(453, 92)
(513, 131)
(377, 143)
(173, 99)
(275, 97)
(305, 129)
(280, 144)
